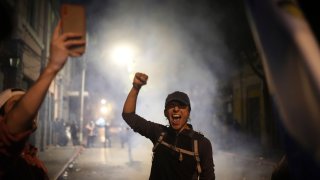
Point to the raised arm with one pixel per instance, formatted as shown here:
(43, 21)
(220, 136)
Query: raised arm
(21, 116)
(139, 80)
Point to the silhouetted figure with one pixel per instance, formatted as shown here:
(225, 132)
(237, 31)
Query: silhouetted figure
(74, 133)
(107, 133)
(62, 134)
(91, 134)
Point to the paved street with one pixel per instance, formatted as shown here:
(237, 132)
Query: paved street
(114, 164)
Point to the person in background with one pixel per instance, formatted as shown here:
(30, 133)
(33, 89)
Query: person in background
(107, 134)
(91, 133)
(18, 109)
(126, 138)
(62, 130)
(74, 133)
(179, 152)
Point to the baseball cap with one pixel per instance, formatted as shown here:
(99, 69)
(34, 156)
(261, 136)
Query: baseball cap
(178, 96)
(8, 93)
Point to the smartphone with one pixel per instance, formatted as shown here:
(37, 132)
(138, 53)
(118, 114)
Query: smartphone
(73, 19)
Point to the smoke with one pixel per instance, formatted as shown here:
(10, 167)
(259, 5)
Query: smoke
(172, 43)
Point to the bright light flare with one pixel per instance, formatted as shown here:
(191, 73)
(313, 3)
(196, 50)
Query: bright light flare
(103, 110)
(106, 109)
(123, 54)
(103, 101)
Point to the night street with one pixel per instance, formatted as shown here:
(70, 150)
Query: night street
(114, 164)
(88, 87)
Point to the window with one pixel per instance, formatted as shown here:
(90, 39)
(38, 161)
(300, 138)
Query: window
(32, 13)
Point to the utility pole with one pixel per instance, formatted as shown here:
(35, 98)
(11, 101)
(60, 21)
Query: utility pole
(83, 74)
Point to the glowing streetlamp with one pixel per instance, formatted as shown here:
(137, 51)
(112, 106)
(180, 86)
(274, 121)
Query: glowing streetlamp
(103, 110)
(123, 54)
(103, 101)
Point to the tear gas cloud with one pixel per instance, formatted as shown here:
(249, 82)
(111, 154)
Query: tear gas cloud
(168, 45)
(172, 43)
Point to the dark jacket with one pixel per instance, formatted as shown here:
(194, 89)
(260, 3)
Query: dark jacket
(166, 164)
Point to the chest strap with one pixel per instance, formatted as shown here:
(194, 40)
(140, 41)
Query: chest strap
(180, 151)
(160, 139)
(196, 155)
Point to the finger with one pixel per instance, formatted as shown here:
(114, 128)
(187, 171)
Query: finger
(146, 77)
(139, 74)
(143, 78)
(74, 54)
(67, 36)
(78, 51)
(57, 30)
(71, 43)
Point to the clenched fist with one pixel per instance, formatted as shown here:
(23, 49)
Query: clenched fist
(139, 80)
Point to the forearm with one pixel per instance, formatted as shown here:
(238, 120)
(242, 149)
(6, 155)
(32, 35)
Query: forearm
(21, 117)
(137, 123)
(131, 101)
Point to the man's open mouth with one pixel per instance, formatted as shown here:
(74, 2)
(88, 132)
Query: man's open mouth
(176, 118)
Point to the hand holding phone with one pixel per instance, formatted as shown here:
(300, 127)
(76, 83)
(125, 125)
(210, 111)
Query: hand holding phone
(73, 20)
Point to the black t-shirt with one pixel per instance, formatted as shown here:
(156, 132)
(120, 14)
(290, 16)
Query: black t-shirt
(166, 164)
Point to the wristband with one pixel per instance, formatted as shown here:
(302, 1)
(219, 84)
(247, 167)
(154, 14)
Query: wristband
(136, 86)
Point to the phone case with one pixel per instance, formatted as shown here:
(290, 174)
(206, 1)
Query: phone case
(73, 20)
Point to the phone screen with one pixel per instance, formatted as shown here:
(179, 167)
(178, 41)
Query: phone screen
(73, 20)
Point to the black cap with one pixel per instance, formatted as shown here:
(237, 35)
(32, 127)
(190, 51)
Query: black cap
(178, 96)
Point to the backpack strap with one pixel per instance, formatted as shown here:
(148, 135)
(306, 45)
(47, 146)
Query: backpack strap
(195, 152)
(160, 139)
(177, 149)
(196, 155)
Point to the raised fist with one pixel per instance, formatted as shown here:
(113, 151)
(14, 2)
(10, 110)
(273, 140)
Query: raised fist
(139, 80)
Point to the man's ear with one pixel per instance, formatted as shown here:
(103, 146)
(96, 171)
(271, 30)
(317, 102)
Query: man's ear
(165, 112)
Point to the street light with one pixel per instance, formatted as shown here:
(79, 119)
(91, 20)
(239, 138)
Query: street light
(123, 54)
(103, 101)
(103, 110)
